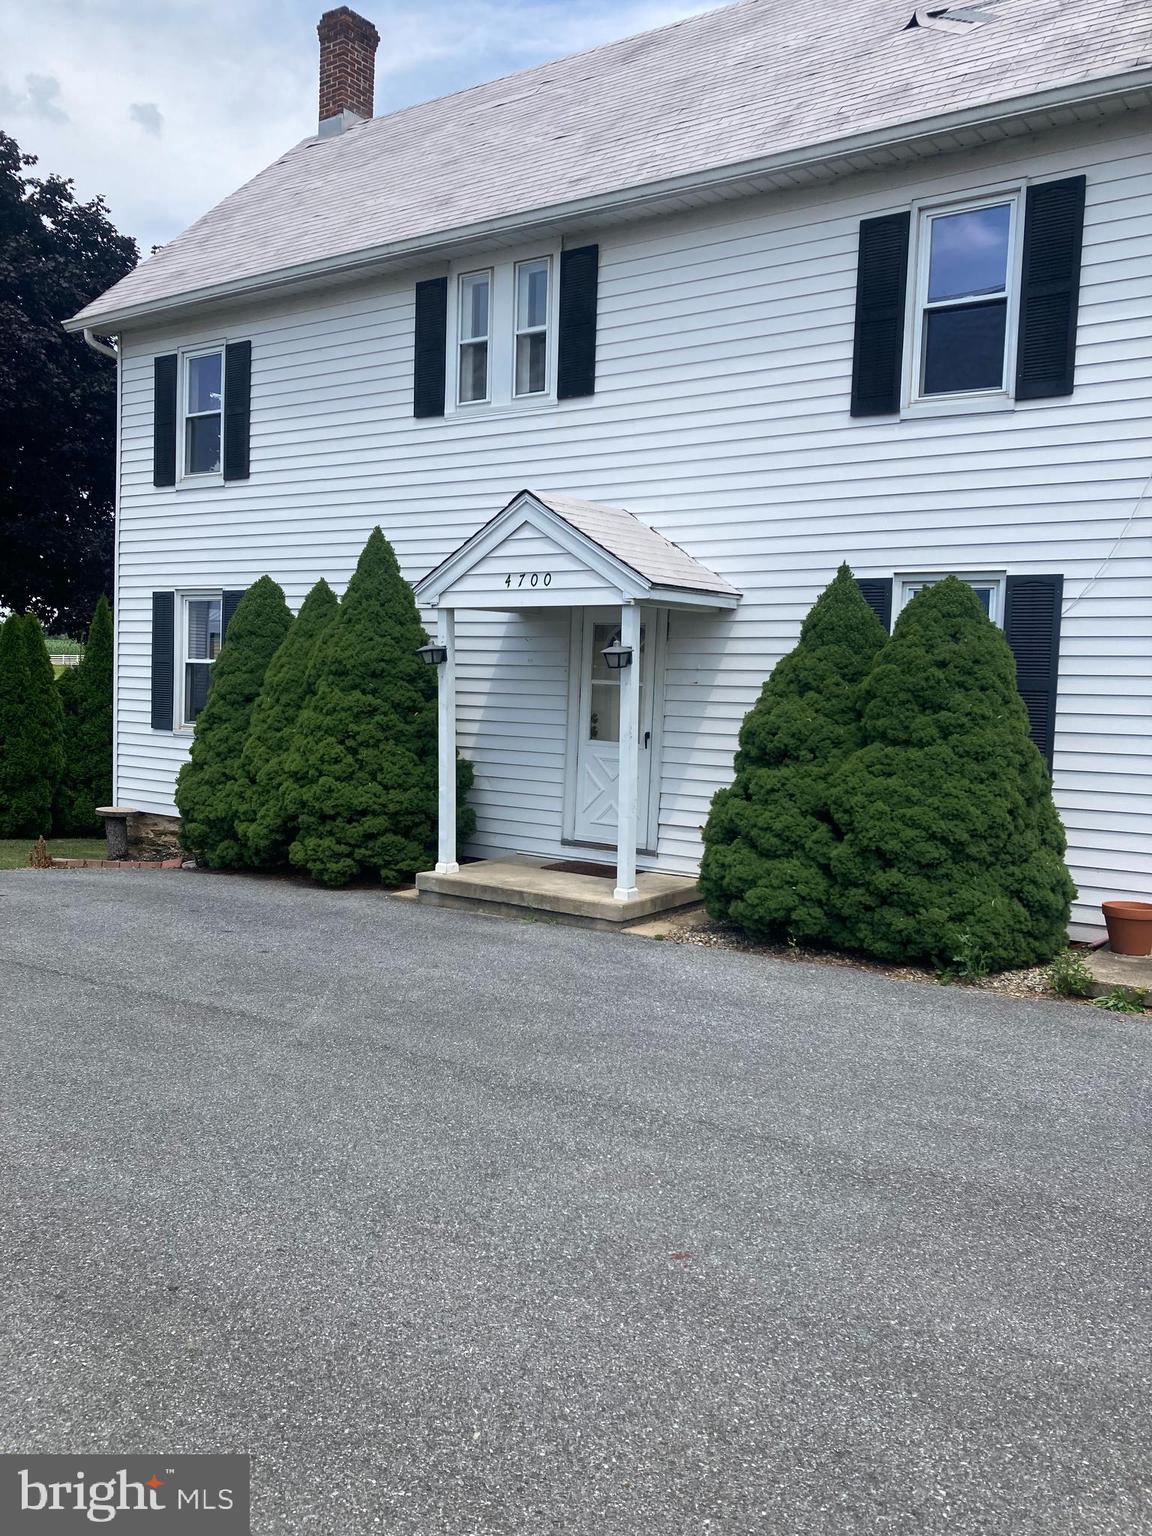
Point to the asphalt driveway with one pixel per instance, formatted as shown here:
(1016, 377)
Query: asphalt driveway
(392, 1198)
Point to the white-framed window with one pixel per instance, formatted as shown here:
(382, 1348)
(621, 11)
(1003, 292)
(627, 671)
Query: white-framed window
(989, 589)
(202, 412)
(200, 631)
(965, 298)
(502, 325)
(474, 309)
(533, 311)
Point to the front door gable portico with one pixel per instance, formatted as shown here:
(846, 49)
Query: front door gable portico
(548, 550)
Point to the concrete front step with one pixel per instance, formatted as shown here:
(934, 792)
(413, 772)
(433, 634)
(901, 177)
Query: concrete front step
(522, 885)
(1131, 973)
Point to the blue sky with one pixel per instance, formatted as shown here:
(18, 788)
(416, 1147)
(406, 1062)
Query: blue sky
(165, 106)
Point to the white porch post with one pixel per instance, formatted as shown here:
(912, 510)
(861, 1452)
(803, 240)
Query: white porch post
(446, 703)
(629, 757)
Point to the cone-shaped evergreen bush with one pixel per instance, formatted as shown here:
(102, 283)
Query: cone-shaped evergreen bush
(769, 840)
(265, 826)
(31, 730)
(952, 848)
(360, 772)
(210, 788)
(86, 698)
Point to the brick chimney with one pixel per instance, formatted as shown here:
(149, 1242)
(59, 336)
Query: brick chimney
(347, 69)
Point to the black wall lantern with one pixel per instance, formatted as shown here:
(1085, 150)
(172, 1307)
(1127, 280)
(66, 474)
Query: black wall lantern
(617, 656)
(435, 655)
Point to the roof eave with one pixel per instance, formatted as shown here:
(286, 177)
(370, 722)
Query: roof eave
(1081, 93)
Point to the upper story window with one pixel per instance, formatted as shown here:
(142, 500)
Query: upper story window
(965, 299)
(203, 412)
(475, 310)
(532, 315)
(202, 630)
(503, 330)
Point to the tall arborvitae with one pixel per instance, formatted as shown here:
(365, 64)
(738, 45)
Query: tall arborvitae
(952, 848)
(86, 697)
(31, 730)
(769, 840)
(211, 786)
(265, 827)
(360, 773)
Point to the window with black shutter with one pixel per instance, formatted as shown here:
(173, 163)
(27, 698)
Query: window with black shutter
(982, 280)
(507, 334)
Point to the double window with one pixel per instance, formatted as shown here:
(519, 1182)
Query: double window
(203, 395)
(967, 279)
(201, 631)
(504, 333)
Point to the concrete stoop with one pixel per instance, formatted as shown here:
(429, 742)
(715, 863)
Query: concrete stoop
(521, 886)
(1131, 973)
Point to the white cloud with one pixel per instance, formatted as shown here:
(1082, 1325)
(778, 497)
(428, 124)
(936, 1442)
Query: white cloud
(234, 85)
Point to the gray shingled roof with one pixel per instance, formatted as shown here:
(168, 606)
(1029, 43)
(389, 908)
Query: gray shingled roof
(659, 563)
(723, 89)
(641, 548)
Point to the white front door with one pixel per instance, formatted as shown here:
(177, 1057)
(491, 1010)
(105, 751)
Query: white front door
(597, 728)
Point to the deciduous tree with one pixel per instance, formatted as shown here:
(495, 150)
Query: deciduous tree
(57, 396)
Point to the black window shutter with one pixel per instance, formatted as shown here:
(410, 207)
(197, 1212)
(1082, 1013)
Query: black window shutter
(431, 343)
(1032, 629)
(881, 295)
(576, 340)
(877, 593)
(228, 608)
(163, 659)
(237, 408)
(164, 420)
(1050, 288)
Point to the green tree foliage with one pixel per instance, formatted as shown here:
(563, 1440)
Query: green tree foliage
(360, 772)
(769, 840)
(57, 396)
(86, 698)
(265, 825)
(951, 844)
(210, 788)
(31, 730)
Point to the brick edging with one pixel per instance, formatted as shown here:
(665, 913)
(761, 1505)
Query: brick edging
(117, 863)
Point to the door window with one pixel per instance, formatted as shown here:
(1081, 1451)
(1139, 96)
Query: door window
(604, 694)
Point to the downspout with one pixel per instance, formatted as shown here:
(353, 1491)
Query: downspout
(99, 346)
(114, 353)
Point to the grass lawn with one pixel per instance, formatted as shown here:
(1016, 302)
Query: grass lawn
(14, 851)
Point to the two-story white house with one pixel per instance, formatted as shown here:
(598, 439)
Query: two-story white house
(633, 349)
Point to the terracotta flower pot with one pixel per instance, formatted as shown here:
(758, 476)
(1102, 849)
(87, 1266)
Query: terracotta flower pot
(1129, 927)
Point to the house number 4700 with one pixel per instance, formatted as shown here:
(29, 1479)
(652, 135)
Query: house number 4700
(528, 579)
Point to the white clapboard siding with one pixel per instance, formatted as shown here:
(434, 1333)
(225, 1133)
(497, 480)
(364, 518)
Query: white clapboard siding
(721, 418)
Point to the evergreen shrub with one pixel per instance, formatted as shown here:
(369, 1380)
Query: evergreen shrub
(210, 790)
(360, 771)
(265, 826)
(769, 839)
(31, 730)
(86, 698)
(950, 841)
